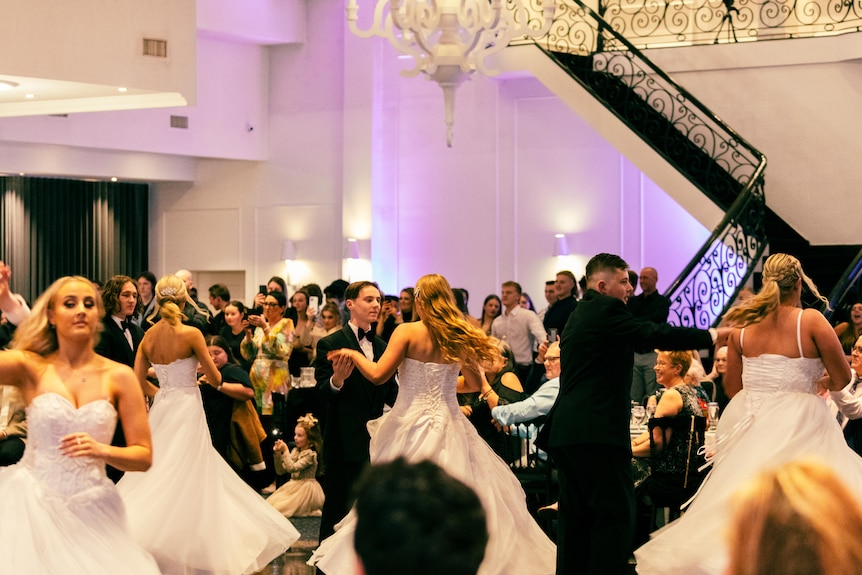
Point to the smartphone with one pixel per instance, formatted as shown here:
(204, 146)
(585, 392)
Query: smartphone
(262, 289)
(312, 302)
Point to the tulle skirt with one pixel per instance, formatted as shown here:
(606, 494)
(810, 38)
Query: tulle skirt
(785, 427)
(44, 533)
(517, 546)
(298, 498)
(191, 510)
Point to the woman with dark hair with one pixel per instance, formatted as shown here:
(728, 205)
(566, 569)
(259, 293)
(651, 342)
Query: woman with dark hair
(269, 350)
(849, 331)
(491, 308)
(302, 335)
(426, 423)
(234, 330)
(191, 510)
(218, 402)
(526, 302)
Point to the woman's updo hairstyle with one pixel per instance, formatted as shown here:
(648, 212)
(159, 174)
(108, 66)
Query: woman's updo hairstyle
(171, 296)
(780, 274)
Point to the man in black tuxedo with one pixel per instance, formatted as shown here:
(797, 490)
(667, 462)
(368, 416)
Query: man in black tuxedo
(349, 401)
(120, 337)
(587, 431)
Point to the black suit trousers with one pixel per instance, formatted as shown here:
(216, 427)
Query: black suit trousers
(597, 509)
(341, 477)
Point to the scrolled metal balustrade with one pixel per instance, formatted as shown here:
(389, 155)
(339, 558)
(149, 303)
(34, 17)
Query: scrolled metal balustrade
(690, 137)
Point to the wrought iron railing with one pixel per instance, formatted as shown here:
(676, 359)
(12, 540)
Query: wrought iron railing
(688, 135)
(660, 23)
(846, 292)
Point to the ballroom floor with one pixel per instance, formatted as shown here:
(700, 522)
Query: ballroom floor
(292, 562)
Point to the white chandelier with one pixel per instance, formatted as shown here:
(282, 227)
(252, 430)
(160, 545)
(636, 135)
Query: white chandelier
(450, 39)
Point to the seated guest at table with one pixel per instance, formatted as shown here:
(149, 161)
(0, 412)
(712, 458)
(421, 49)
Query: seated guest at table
(670, 460)
(695, 377)
(302, 496)
(499, 387)
(218, 402)
(539, 403)
(846, 404)
(799, 519)
(713, 384)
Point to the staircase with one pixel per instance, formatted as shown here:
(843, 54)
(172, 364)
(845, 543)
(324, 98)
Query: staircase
(713, 158)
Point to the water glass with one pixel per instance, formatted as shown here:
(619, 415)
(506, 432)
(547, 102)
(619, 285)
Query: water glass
(638, 415)
(712, 414)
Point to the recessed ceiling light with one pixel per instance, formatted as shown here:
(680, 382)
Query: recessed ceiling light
(29, 96)
(113, 179)
(7, 85)
(122, 89)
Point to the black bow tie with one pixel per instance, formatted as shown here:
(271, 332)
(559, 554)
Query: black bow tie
(126, 324)
(369, 335)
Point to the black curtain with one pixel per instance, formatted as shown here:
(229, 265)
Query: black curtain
(54, 227)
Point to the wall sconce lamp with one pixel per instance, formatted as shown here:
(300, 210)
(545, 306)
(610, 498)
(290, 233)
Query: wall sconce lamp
(288, 254)
(561, 245)
(351, 249)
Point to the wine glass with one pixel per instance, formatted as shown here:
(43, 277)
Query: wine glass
(638, 415)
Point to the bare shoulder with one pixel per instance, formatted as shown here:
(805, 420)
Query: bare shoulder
(813, 319)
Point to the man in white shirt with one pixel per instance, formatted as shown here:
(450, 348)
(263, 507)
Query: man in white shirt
(518, 327)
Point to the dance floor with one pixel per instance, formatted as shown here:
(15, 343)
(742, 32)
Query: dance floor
(292, 562)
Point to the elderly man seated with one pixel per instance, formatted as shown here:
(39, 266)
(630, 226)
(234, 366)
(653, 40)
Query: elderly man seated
(541, 401)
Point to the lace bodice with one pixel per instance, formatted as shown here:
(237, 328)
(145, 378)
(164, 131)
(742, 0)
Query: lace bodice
(429, 387)
(50, 417)
(178, 373)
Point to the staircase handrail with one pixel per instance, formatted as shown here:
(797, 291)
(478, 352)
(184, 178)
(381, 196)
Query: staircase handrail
(709, 283)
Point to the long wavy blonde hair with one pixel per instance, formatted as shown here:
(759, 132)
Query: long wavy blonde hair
(451, 333)
(35, 334)
(799, 519)
(780, 274)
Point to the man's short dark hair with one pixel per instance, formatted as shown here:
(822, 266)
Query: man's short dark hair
(352, 291)
(220, 291)
(603, 263)
(513, 284)
(550, 282)
(416, 518)
(335, 289)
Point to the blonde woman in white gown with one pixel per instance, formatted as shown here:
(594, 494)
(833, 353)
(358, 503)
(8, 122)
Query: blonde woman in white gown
(777, 358)
(426, 423)
(191, 510)
(61, 514)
